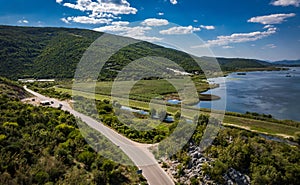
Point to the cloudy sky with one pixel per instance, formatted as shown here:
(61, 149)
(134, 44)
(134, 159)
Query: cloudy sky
(261, 29)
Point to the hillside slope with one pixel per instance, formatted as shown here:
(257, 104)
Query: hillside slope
(41, 52)
(28, 52)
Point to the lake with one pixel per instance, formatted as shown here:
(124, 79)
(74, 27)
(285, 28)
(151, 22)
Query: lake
(269, 92)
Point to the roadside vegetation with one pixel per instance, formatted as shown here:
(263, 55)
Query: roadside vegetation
(42, 145)
(48, 89)
(133, 126)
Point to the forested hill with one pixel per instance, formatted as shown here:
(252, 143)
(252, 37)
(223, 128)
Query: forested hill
(35, 52)
(287, 63)
(42, 52)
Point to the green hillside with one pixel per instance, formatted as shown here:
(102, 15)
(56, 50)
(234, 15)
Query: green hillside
(41, 52)
(238, 63)
(33, 52)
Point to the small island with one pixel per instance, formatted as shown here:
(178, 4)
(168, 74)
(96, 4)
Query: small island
(208, 97)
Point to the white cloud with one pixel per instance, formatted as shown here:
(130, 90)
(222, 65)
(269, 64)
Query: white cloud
(286, 3)
(271, 19)
(146, 38)
(120, 23)
(110, 7)
(271, 46)
(238, 38)
(173, 1)
(100, 10)
(59, 1)
(76, 6)
(268, 26)
(23, 21)
(195, 20)
(86, 20)
(123, 29)
(179, 30)
(65, 20)
(227, 47)
(155, 22)
(113, 28)
(207, 27)
(160, 13)
(104, 15)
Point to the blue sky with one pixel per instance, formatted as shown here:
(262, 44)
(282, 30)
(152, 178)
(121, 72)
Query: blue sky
(262, 29)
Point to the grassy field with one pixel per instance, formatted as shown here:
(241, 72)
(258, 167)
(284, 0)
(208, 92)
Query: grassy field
(262, 126)
(240, 122)
(133, 103)
(145, 90)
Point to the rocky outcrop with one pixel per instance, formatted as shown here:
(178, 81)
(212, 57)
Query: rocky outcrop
(235, 177)
(194, 170)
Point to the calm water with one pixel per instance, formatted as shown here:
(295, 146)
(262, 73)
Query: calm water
(269, 92)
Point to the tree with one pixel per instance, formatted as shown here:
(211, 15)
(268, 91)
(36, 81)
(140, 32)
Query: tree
(41, 177)
(87, 158)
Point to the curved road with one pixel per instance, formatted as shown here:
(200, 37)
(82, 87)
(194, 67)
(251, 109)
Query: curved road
(137, 152)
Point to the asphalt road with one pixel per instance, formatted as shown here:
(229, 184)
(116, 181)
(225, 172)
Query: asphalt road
(137, 152)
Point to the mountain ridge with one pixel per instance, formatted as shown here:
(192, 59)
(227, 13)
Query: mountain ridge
(47, 52)
(288, 62)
